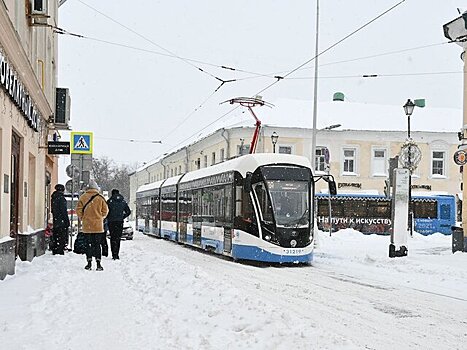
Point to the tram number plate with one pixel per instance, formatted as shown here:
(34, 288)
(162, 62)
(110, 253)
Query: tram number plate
(293, 251)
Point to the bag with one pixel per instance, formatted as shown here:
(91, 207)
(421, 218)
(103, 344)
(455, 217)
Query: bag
(105, 246)
(80, 244)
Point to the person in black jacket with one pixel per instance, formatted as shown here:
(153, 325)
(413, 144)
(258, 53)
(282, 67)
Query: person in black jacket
(118, 211)
(61, 222)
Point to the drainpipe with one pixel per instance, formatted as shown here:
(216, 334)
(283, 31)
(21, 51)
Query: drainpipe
(162, 163)
(187, 160)
(227, 148)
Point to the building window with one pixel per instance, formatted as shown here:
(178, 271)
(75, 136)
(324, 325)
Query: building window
(213, 158)
(171, 172)
(438, 163)
(285, 149)
(205, 161)
(322, 159)
(378, 162)
(222, 155)
(198, 163)
(349, 161)
(179, 169)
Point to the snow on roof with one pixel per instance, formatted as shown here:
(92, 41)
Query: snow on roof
(249, 162)
(356, 116)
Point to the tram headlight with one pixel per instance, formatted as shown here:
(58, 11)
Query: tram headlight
(294, 234)
(293, 243)
(267, 237)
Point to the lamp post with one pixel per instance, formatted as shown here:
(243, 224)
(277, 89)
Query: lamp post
(274, 138)
(408, 108)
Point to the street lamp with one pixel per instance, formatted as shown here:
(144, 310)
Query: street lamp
(274, 138)
(408, 108)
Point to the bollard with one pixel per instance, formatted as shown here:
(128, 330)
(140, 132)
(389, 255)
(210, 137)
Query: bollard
(457, 239)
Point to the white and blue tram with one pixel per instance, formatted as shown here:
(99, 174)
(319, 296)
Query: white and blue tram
(255, 207)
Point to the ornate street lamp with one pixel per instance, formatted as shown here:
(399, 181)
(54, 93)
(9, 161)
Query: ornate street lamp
(408, 108)
(274, 138)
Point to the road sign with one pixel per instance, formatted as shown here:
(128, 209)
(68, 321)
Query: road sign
(460, 157)
(81, 142)
(58, 147)
(72, 171)
(72, 186)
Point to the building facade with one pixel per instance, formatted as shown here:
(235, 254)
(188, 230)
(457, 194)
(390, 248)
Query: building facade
(28, 69)
(358, 159)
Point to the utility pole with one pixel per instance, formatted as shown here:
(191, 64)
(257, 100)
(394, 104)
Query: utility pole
(315, 98)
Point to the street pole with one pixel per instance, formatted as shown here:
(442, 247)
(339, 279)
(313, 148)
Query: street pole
(464, 173)
(410, 180)
(315, 97)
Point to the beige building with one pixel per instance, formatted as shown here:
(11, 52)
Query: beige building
(28, 70)
(358, 159)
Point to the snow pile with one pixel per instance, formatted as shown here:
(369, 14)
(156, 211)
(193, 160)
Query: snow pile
(162, 295)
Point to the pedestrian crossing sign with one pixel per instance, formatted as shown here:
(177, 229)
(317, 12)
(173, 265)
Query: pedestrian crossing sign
(81, 142)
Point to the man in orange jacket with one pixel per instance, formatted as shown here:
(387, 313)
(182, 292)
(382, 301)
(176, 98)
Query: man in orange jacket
(92, 210)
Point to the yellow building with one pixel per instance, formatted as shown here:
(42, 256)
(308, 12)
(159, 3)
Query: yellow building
(356, 151)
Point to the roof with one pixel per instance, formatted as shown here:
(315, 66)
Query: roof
(356, 116)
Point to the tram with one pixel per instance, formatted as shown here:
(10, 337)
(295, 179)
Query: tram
(256, 207)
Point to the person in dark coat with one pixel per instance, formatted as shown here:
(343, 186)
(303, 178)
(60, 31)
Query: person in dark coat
(118, 211)
(61, 222)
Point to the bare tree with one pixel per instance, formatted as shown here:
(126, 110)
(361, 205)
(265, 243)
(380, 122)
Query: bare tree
(108, 175)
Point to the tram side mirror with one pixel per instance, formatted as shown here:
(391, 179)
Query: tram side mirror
(247, 182)
(332, 187)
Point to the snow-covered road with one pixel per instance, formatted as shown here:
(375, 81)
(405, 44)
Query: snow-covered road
(162, 295)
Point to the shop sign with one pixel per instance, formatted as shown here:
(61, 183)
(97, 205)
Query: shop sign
(14, 88)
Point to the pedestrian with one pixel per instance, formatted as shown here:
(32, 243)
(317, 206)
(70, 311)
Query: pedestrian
(92, 209)
(61, 222)
(118, 211)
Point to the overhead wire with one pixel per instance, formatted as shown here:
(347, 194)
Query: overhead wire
(279, 78)
(155, 44)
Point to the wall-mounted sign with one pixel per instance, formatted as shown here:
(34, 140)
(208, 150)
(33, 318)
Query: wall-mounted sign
(14, 88)
(421, 187)
(460, 157)
(349, 184)
(58, 147)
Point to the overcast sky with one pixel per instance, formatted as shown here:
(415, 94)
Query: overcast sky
(143, 93)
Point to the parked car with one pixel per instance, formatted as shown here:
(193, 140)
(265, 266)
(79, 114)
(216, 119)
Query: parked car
(127, 232)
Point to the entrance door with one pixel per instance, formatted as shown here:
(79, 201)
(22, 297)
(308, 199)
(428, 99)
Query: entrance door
(14, 184)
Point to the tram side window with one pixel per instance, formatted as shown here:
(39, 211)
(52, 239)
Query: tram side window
(169, 212)
(228, 204)
(445, 212)
(185, 206)
(197, 209)
(337, 208)
(355, 208)
(379, 209)
(425, 210)
(218, 205)
(245, 218)
(207, 206)
(323, 207)
(155, 211)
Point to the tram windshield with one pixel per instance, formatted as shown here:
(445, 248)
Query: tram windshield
(290, 202)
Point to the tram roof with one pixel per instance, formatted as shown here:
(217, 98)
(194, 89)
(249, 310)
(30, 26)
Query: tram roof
(243, 164)
(150, 186)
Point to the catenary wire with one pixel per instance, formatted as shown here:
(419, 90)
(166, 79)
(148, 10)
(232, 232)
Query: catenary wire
(279, 78)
